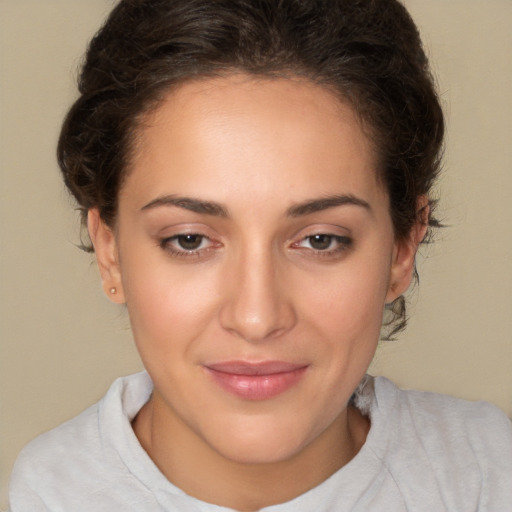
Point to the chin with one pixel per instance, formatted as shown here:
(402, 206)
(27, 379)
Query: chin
(261, 442)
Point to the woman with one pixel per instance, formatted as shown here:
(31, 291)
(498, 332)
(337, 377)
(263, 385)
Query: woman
(255, 178)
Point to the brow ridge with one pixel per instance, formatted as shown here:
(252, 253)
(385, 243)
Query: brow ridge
(324, 203)
(188, 203)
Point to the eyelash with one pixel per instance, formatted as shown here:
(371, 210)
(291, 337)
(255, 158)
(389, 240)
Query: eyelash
(343, 243)
(168, 245)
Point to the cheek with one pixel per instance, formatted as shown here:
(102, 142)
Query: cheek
(349, 300)
(344, 315)
(167, 305)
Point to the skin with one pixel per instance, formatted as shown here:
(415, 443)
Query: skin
(256, 160)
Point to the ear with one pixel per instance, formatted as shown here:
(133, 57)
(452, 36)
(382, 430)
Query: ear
(404, 253)
(105, 248)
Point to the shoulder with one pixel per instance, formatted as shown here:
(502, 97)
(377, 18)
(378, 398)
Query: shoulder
(64, 440)
(54, 458)
(79, 455)
(453, 416)
(442, 418)
(460, 448)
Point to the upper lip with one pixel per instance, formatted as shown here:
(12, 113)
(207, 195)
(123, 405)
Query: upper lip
(255, 368)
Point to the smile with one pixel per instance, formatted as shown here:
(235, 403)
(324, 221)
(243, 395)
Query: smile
(256, 381)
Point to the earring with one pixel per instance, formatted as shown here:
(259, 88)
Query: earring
(113, 290)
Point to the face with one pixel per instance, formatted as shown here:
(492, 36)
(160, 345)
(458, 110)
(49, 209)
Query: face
(255, 252)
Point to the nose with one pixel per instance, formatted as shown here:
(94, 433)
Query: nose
(256, 306)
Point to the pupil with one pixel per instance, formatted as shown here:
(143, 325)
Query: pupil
(189, 242)
(320, 242)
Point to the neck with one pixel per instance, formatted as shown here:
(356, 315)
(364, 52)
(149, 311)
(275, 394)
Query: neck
(196, 468)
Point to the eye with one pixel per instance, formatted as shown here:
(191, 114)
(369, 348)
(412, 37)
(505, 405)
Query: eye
(325, 242)
(187, 245)
(190, 242)
(327, 247)
(320, 242)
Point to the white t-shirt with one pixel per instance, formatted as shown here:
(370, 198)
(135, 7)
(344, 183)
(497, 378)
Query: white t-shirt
(424, 452)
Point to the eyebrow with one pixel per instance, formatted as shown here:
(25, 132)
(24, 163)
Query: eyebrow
(324, 203)
(188, 203)
(297, 210)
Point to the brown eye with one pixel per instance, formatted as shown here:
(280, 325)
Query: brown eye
(191, 246)
(189, 242)
(324, 244)
(320, 242)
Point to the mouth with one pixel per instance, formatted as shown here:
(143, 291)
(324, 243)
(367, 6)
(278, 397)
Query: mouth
(256, 381)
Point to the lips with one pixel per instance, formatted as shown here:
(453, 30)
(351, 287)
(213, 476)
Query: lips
(256, 381)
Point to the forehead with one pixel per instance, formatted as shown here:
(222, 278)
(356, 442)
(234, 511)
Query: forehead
(239, 128)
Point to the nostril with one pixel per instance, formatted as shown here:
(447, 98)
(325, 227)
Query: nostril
(255, 330)
(257, 320)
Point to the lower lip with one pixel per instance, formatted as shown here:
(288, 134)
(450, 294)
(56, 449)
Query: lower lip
(257, 387)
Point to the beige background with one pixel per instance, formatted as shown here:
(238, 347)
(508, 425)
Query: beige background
(63, 343)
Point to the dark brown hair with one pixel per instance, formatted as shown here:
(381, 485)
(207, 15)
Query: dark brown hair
(368, 51)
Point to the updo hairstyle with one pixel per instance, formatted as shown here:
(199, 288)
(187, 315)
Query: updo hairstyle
(367, 51)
